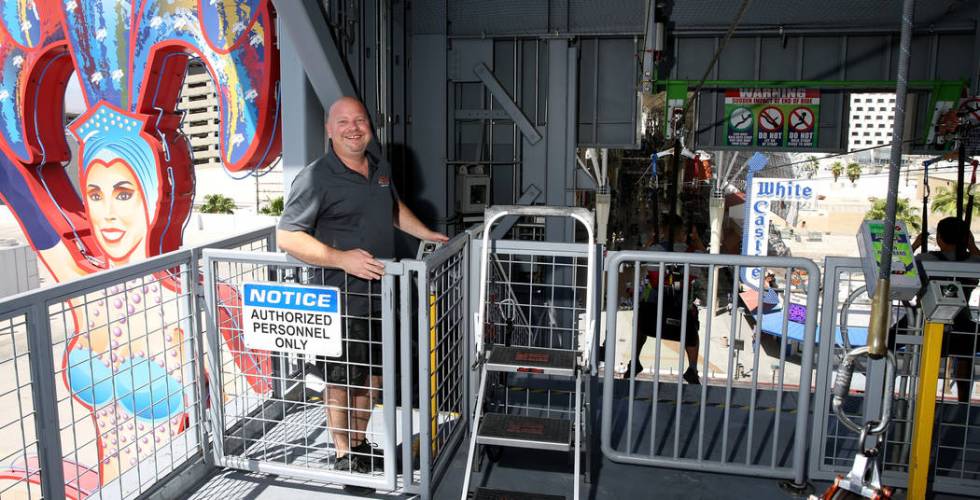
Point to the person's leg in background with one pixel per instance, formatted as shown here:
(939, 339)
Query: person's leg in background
(691, 344)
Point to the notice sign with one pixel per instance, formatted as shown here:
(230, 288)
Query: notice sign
(772, 118)
(292, 318)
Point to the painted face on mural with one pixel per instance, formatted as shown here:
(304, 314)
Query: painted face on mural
(349, 128)
(116, 208)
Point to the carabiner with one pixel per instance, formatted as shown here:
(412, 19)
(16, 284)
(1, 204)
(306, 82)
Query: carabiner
(842, 386)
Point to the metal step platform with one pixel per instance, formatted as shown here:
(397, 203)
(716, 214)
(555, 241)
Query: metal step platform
(491, 494)
(532, 360)
(525, 432)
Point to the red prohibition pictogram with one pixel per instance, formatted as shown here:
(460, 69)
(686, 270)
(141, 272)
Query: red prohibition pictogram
(971, 109)
(771, 119)
(801, 120)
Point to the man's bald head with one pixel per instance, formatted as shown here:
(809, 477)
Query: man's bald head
(343, 104)
(348, 127)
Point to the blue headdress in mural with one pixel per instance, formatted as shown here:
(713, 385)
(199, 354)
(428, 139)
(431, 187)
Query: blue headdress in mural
(108, 135)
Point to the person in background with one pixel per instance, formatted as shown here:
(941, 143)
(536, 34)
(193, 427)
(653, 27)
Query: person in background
(956, 244)
(674, 308)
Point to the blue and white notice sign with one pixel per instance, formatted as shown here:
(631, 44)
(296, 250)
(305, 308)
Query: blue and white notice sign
(292, 318)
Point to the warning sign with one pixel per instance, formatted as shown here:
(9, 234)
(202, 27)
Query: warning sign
(800, 132)
(290, 318)
(740, 127)
(970, 110)
(772, 118)
(770, 127)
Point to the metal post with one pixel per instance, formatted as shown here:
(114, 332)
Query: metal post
(405, 291)
(44, 392)
(925, 410)
(425, 392)
(191, 324)
(677, 176)
(388, 387)
(877, 329)
(960, 179)
(216, 382)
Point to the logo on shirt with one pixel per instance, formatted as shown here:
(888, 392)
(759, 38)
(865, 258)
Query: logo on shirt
(383, 181)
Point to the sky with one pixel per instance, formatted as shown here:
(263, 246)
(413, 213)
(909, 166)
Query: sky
(74, 103)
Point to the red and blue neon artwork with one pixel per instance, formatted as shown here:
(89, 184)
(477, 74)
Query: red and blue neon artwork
(135, 175)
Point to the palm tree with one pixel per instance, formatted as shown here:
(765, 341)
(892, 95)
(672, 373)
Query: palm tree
(273, 207)
(218, 204)
(904, 211)
(853, 172)
(811, 166)
(944, 201)
(837, 169)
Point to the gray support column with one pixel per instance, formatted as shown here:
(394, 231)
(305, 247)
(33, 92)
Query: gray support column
(434, 195)
(303, 139)
(303, 24)
(560, 136)
(975, 74)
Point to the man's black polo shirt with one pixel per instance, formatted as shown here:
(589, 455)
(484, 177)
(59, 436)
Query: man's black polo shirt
(344, 210)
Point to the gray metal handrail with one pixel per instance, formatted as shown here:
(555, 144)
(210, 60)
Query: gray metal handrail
(612, 266)
(392, 269)
(583, 216)
(36, 308)
(112, 276)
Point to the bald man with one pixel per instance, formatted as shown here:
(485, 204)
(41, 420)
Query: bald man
(339, 217)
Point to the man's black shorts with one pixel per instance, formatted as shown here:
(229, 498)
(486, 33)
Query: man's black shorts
(361, 355)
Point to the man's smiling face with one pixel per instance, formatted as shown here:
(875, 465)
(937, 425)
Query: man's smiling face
(349, 128)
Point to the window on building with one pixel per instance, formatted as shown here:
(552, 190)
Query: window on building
(878, 134)
(854, 133)
(879, 117)
(867, 134)
(881, 100)
(860, 108)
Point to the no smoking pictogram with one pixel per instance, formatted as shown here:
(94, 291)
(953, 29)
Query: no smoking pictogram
(971, 109)
(771, 119)
(801, 120)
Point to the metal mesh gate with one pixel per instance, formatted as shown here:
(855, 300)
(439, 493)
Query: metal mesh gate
(730, 391)
(955, 459)
(536, 298)
(267, 419)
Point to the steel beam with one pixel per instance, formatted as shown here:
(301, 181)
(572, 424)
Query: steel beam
(649, 45)
(303, 112)
(304, 25)
(560, 135)
(528, 198)
(513, 110)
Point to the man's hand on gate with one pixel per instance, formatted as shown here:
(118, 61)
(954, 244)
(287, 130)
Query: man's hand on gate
(362, 264)
(437, 237)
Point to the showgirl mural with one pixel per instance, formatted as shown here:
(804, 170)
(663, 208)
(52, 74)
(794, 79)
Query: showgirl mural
(136, 185)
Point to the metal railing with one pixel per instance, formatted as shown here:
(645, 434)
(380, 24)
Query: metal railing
(752, 427)
(266, 423)
(104, 380)
(442, 291)
(954, 467)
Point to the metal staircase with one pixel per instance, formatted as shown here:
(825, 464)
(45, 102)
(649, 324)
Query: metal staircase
(507, 429)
